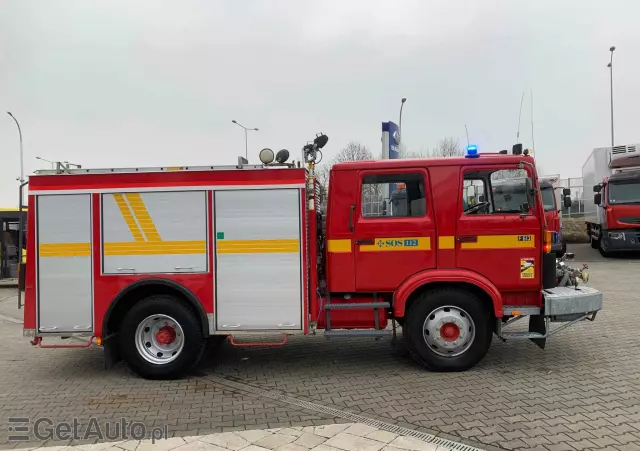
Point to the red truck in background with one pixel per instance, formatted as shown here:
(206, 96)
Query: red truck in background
(612, 216)
(153, 263)
(553, 215)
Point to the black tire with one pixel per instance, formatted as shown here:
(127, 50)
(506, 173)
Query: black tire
(604, 252)
(595, 244)
(424, 306)
(194, 341)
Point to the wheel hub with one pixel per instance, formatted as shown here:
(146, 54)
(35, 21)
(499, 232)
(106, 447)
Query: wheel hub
(166, 335)
(159, 339)
(449, 331)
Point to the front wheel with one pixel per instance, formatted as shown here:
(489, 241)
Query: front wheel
(603, 250)
(448, 330)
(161, 338)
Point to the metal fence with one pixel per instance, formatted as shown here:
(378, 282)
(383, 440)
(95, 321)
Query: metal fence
(577, 196)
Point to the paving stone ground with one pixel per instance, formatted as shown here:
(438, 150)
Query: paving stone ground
(581, 392)
(335, 437)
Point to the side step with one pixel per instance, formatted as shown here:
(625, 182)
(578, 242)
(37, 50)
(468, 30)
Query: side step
(521, 335)
(520, 310)
(357, 333)
(356, 305)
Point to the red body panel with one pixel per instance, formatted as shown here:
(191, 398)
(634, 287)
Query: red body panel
(615, 212)
(445, 205)
(31, 276)
(341, 271)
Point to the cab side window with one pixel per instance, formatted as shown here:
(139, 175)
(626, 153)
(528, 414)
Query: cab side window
(497, 192)
(393, 195)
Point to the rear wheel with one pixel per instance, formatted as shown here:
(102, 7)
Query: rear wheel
(448, 330)
(161, 338)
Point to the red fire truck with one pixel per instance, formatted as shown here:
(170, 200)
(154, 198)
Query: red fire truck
(154, 263)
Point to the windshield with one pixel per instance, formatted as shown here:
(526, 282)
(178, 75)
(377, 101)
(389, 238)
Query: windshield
(548, 199)
(509, 196)
(624, 193)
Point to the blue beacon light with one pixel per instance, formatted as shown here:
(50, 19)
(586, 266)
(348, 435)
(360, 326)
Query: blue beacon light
(472, 151)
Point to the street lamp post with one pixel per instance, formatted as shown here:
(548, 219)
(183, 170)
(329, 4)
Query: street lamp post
(404, 99)
(21, 179)
(246, 140)
(610, 66)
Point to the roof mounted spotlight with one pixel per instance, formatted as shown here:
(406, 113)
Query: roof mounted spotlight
(517, 149)
(282, 156)
(266, 156)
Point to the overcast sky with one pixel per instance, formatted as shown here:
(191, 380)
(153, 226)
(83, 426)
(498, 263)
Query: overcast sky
(147, 83)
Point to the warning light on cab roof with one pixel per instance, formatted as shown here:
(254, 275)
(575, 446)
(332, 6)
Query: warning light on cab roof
(472, 151)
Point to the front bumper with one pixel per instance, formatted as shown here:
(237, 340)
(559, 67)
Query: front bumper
(570, 303)
(621, 240)
(566, 305)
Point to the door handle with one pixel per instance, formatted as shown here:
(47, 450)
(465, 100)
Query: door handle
(366, 242)
(352, 210)
(467, 239)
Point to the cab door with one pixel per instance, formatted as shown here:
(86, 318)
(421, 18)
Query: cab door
(498, 230)
(394, 232)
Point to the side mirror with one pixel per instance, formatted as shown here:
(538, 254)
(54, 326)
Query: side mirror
(566, 192)
(597, 199)
(481, 198)
(567, 202)
(597, 188)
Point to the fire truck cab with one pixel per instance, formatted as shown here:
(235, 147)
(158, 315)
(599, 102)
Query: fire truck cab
(115, 261)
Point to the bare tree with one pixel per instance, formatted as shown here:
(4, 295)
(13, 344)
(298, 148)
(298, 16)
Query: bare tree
(446, 147)
(354, 151)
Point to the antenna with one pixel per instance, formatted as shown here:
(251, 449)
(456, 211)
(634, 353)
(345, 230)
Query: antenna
(533, 141)
(519, 117)
(467, 132)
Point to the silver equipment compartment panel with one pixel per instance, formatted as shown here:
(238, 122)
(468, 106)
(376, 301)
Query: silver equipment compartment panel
(154, 232)
(64, 269)
(258, 259)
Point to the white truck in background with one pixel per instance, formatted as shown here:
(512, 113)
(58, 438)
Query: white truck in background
(612, 215)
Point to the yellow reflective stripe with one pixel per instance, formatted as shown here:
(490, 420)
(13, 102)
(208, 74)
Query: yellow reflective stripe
(128, 217)
(446, 242)
(257, 246)
(398, 244)
(65, 250)
(502, 242)
(141, 213)
(338, 246)
(155, 248)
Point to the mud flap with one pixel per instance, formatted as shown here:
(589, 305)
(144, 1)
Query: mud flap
(111, 354)
(537, 325)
